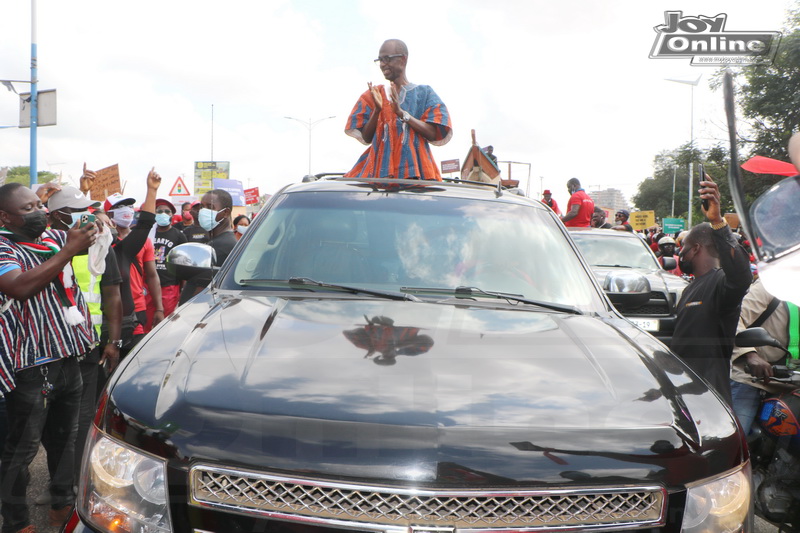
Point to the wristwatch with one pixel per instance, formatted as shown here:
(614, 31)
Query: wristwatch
(719, 225)
(406, 117)
(118, 343)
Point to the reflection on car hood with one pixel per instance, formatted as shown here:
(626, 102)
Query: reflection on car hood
(397, 390)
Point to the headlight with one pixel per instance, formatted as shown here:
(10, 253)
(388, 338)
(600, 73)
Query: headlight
(721, 505)
(122, 489)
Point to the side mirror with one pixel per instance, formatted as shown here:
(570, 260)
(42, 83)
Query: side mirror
(190, 259)
(627, 290)
(669, 263)
(754, 337)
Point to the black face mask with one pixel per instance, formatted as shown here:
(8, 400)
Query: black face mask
(685, 266)
(33, 225)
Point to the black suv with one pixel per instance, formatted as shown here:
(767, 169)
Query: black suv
(405, 356)
(620, 260)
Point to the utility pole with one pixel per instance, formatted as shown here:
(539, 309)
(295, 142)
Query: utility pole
(34, 171)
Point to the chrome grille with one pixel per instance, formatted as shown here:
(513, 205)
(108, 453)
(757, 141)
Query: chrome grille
(384, 507)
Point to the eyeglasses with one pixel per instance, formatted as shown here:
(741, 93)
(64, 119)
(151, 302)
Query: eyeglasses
(386, 59)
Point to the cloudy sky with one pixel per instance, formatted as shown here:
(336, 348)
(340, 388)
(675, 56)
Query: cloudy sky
(566, 87)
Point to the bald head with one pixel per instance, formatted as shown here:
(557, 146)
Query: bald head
(794, 150)
(397, 46)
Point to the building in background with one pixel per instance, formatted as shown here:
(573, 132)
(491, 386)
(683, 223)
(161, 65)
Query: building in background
(612, 199)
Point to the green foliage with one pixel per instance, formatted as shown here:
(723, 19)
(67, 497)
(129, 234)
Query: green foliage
(656, 194)
(22, 175)
(768, 97)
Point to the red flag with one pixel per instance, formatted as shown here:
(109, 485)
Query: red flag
(765, 165)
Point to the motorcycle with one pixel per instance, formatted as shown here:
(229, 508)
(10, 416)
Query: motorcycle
(774, 443)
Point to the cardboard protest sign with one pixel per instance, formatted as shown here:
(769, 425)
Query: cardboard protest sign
(642, 219)
(106, 183)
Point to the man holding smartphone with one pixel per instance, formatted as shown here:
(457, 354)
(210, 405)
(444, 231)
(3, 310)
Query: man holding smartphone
(708, 311)
(68, 208)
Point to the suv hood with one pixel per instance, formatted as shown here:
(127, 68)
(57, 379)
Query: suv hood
(443, 393)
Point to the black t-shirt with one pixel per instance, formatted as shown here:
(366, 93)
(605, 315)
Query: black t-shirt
(222, 245)
(708, 313)
(111, 276)
(195, 234)
(163, 243)
(126, 250)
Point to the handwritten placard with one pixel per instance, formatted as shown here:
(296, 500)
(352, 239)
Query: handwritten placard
(106, 183)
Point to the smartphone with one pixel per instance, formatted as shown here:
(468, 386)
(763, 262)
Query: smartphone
(86, 219)
(704, 203)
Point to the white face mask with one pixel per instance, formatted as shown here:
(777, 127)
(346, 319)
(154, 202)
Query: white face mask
(123, 216)
(241, 229)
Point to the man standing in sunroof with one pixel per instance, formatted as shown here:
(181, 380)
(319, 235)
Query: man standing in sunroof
(400, 126)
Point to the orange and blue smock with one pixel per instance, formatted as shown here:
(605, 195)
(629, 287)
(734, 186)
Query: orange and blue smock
(397, 151)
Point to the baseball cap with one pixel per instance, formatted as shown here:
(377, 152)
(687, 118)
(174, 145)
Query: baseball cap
(117, 200)
(69, 197)
(547, 191)
(162, 201)
(624, 212)
(177, 219)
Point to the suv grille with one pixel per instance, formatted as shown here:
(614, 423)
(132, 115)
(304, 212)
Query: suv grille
(658, 305)
(382, 507)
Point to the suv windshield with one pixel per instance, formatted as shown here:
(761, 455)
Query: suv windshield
(406, 241)
(601, 250)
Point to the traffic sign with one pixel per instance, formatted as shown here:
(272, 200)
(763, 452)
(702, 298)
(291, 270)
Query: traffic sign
(179, 188)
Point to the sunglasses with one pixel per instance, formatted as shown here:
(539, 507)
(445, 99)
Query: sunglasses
(386, 59)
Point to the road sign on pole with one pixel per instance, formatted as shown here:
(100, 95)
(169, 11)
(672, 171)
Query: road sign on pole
(179, 188)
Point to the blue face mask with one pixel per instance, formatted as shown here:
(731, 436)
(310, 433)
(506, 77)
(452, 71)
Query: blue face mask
(208, 219)
(163, 219)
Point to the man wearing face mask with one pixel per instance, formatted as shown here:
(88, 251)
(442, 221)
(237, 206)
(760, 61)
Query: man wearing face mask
(214, 217)
(708, 311)
(98, 277)
(165, 239)
(120, 210)
(45, 325)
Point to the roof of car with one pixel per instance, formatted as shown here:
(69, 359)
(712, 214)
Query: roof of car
(439, 188)
(611, 233)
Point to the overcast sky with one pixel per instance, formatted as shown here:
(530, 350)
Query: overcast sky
(565, 86)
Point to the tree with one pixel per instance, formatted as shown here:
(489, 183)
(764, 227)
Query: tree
(22, 175)
(768, 106)
(656, 194)
(769, 96)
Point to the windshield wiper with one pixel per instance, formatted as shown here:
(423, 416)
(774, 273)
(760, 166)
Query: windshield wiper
(391, 295)
(466, 292)
(616, 266)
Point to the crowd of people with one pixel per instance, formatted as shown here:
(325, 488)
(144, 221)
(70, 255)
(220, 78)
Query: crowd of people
(81, 282)
(724, 296)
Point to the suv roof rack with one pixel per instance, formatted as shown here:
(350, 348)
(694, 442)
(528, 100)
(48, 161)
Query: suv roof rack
(498, 188)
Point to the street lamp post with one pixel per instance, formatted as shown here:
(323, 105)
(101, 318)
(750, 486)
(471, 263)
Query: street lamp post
(693, 83)
(309, 124)
(674, 175)
(34, 96)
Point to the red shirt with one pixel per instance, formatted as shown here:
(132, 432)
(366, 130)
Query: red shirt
(552, 205)
(138, 285)
(584, 217)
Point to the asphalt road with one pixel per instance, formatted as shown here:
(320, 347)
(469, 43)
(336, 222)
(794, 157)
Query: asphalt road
(39, 480)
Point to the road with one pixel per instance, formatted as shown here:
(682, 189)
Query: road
(39, 512)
